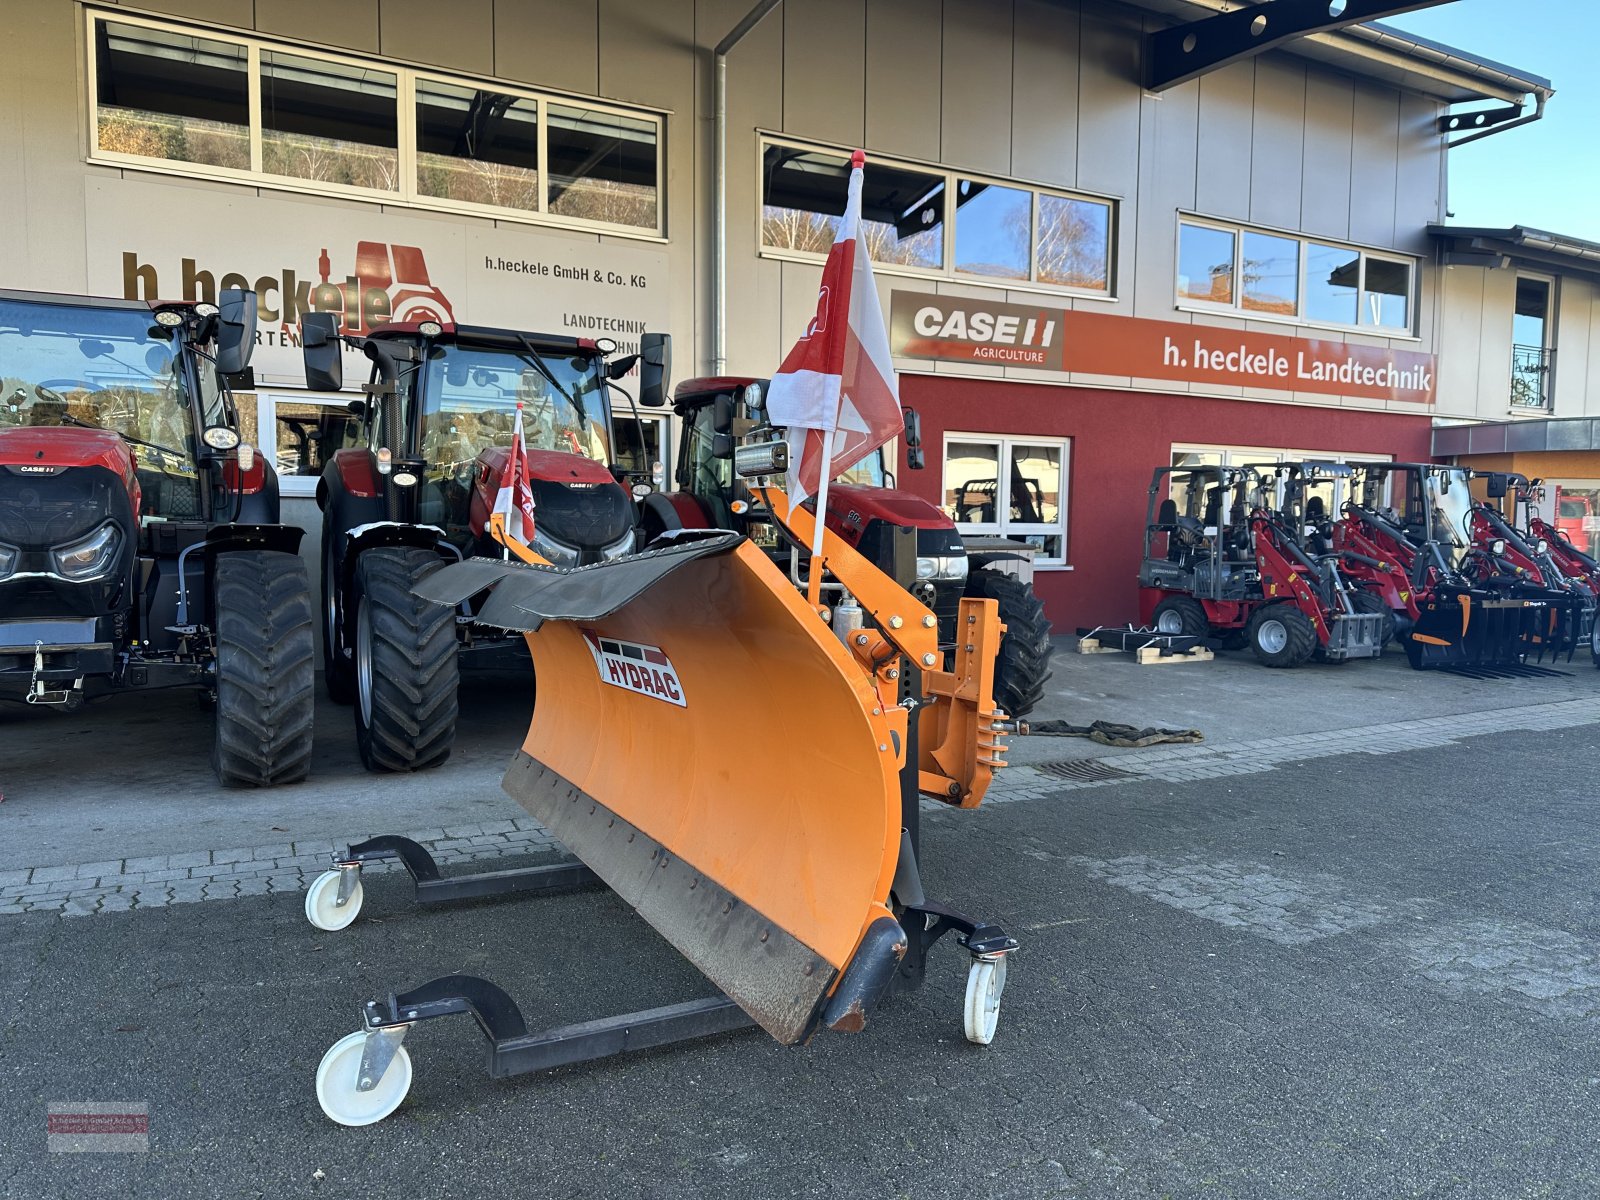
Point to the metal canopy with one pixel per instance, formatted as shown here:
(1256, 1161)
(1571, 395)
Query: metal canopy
(1183, 52)
(1476, 246)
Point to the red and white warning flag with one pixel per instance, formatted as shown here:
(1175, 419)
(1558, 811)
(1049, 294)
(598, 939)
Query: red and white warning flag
(836, 390)
(514, 502)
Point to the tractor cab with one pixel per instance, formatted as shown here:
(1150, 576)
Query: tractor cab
(1197, 532)
(1307, 500)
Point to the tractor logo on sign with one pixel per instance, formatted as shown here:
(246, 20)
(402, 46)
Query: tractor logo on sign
(635, 668)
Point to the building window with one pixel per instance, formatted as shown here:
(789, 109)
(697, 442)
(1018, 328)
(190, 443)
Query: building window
(993, 230)
(1253, 272)
(168, 95)
(1012, 487)
(1533, 347)
(264, 113)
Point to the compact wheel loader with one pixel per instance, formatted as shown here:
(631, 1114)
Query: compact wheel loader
(1461, 601)
(416, 493)
(868, 512)
(782, 860)
(1220, 563)
(140, 542)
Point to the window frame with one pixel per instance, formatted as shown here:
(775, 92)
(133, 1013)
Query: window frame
(1004, 527)
(952, 177)
(268, 398)
(407, 194)
(1304, 240)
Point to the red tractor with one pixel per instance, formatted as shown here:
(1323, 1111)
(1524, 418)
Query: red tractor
(866, 510)
(1221, 563)
(417, 490)
(140, 545)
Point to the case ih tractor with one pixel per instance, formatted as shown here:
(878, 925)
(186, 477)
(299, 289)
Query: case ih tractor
(140, 545)
(1220, 563)
(436, 430)
(715, 412)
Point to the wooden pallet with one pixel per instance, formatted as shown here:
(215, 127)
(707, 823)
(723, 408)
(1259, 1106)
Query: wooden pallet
(1147, 656)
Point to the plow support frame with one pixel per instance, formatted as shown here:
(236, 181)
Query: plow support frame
(433, 888)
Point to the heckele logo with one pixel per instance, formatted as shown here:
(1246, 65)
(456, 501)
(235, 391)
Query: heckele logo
(390, 283)
(635, 668)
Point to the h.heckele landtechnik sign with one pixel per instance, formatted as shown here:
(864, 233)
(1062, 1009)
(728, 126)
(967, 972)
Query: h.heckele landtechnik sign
(157, 240)
(957, 329)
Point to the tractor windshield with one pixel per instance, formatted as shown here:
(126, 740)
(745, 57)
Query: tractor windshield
(106, 368)
(470, 396)
(1450, 509)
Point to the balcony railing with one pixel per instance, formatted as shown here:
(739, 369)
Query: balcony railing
(1530, 376)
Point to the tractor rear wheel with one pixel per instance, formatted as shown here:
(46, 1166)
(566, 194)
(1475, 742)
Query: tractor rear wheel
(1022, 667)
(338, 671)
(266, 673)
(1181, 616)
(405, 663)
(1371, 602)
(1281, 635)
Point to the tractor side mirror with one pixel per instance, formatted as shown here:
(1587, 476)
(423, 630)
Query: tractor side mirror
(722, 414)
(616, 368)
(1497, 485)
(655, 368)
(915, 460)
(722, 445)
(236, 330)
(319, 347)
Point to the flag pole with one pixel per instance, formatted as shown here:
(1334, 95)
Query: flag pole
(814, 576)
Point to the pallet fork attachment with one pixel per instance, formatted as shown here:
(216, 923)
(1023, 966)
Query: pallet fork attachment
(783, 862)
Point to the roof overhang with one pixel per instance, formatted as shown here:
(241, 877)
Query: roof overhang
(1517, 437)
(1386, 54)
(1484, 247)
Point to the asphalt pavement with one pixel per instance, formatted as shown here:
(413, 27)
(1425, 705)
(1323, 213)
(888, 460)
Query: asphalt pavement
(1358, 975)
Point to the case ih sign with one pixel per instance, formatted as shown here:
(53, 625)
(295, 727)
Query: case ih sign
(955, 329)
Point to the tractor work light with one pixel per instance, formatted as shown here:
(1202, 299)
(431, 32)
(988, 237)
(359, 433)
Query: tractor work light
(205, 310)
(761, 458)
(1497, 547)
(247, 458)
(430, 329)
(169, 318)
(1541, 547)
(90, 557)
(753, 399)
(606, 345)
(404, 478)
(220, 437)
(385, 461)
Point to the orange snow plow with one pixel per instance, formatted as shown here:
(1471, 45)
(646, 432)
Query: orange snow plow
(742, 768)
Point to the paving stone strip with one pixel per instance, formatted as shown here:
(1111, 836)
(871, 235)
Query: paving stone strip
(155, 881)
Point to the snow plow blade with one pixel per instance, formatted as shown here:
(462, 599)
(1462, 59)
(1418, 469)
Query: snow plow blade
(710, 749)
(1462, 629)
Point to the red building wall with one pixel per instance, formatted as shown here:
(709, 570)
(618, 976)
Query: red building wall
(1118, 438)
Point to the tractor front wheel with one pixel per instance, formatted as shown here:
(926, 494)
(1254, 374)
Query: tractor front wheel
(1281, 636)
(405, 663)
(1181, 616)
(1022, 667)
(338, 671)
(266, 676)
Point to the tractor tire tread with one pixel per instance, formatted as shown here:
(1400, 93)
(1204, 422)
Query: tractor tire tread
(415, 674)
(266, 670)
(1191, 615)
(1302, 635)
(1022, 667)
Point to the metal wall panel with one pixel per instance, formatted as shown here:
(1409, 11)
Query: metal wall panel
(552, 43)
(1044, 92)
(458, 34)
(825, 101)
(42, 235)
(1494, 344)
(1277, 141)
(1420, 174)
(1168, 158)
(904, 74)
(1325, 170)
(237, 13)
(1108, 106)
(348, 24)
(1374, 160)
(1591, 399)
(975, 110)
(1460, 327)
(1227, 111)
(1574, 312)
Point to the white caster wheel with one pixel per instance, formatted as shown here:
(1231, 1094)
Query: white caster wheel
(339, 1073)
(985, 981)
(322, 902)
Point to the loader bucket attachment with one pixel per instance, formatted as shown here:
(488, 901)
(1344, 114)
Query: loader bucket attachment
(706, 745)
(1462, 629)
